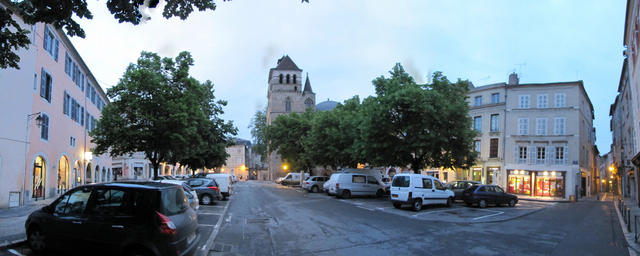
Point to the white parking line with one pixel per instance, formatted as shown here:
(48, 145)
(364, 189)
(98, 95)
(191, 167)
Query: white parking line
(209, 213)
(487, 216)
(422, 213)
(207, 225)
(362, 207)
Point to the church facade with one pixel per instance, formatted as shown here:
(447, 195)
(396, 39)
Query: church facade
(287, 94)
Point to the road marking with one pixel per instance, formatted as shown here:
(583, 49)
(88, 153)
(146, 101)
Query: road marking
(209, 213)
(229, 218)
(207, 225)
(215, 230)
(422, 213)
(490, 215)
(604, 198)
(362, 207)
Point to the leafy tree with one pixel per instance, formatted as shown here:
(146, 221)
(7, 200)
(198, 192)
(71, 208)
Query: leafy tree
(62, 14)
(158, 109)
(287, 135)
(258, 128)
(414, 125)
(333, 136)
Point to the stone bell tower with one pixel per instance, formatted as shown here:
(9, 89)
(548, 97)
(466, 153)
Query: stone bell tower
(286, 95)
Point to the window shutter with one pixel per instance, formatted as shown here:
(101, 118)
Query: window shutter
(45, 43)
(532, 154)
(551, 155)
(65, 104)
(55, 50)
(49, 88)
(516, 158)
(81, 115)
(42, 83)
(566, 154)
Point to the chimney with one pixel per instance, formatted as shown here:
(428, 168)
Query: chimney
(513, 79)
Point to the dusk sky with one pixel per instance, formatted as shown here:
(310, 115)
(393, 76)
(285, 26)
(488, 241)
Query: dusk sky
(344, 45)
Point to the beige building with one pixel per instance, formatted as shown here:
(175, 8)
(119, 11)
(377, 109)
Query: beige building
(238, 160)
(535, 139)
(286, 95)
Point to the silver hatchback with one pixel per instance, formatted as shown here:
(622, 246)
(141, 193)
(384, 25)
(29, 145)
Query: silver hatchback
(314, 183)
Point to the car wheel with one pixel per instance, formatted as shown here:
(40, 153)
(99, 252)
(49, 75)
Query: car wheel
(346, 194)
(512, 202)
(379, 193)
(449, 202)
(206, 199)
(397, 205)
(314, 189)
(417, 204)
(36, 240)
(482, 204)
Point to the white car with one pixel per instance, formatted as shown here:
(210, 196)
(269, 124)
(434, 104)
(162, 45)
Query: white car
(418, 190)
(224, 183)
(190, 192)
(345, 185)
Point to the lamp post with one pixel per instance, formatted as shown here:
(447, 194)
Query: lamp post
(39, 120)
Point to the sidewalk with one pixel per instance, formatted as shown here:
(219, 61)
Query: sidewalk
(543, 199)
(629, 229)
(12, 222)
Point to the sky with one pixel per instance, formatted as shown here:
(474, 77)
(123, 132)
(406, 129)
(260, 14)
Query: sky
(344, 45)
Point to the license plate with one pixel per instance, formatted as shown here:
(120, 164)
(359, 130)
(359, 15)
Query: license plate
(191, 238)
(394, 196)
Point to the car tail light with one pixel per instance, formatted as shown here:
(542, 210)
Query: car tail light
(307, 183)
(166, 225)
(213, 188)
(337, 185)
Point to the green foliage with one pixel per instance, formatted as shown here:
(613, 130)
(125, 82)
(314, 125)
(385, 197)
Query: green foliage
(62, 14)
(334, 136)
(287, 135)
(12, 38)
(258, 128)
(160, 110)
(408, 124)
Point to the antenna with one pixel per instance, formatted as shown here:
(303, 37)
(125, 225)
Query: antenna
(520, 65)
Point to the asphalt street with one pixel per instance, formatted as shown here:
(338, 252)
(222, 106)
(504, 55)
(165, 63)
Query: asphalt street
(269, 219)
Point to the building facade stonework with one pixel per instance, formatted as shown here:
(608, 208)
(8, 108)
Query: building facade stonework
(286, 94)
(534, 139)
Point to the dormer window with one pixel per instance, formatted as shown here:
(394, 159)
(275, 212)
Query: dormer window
(288, 77)
(281, 77)
(295, 79)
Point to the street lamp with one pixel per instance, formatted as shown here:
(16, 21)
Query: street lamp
(285, 167)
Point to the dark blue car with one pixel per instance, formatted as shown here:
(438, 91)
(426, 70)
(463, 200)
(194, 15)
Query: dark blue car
(483, 195)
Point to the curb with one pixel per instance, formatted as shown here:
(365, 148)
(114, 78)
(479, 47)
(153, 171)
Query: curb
(8, 244)
(214, 233)
(627, 235)
(544, 201)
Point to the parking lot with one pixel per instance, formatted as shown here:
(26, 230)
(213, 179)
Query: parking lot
(458, 213)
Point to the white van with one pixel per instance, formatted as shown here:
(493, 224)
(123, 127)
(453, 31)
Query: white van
(345, 185)
(293, 178)
(224, 183)
(418, 189)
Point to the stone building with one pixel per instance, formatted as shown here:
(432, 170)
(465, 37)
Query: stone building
(623, 147)
(286, 95)
(534, 139)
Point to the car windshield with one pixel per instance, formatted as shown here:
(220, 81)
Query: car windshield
(401, 181)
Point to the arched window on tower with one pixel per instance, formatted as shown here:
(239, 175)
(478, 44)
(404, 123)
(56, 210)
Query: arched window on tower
(295, 79)
(287, 105)
(308, 102)
(281, 77)
(288, 78)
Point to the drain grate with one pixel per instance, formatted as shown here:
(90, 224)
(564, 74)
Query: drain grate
(258, 220)
(221, 247)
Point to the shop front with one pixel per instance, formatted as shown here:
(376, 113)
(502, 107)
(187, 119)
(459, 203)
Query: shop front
(536, 183)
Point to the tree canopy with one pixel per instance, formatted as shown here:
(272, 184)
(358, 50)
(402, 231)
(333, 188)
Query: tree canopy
(158, 109)
(287, 135)
(258, 126)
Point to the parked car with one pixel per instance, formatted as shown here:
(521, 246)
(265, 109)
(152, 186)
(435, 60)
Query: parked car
(483, 195)
(207, 190)
(224, 183)
(345, 185)
(327, 184)
(279, 180)
(293, 178)
(119, 218)
(164, 177)
(314, 183)
(234, 178)
(418, 190)
(191, 194)
(459, 186)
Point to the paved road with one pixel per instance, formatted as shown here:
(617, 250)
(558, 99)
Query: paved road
(265, 219)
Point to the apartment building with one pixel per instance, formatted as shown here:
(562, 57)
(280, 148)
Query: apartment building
(50, 103)
(534, 139)
(239, 159)
(623, 147)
